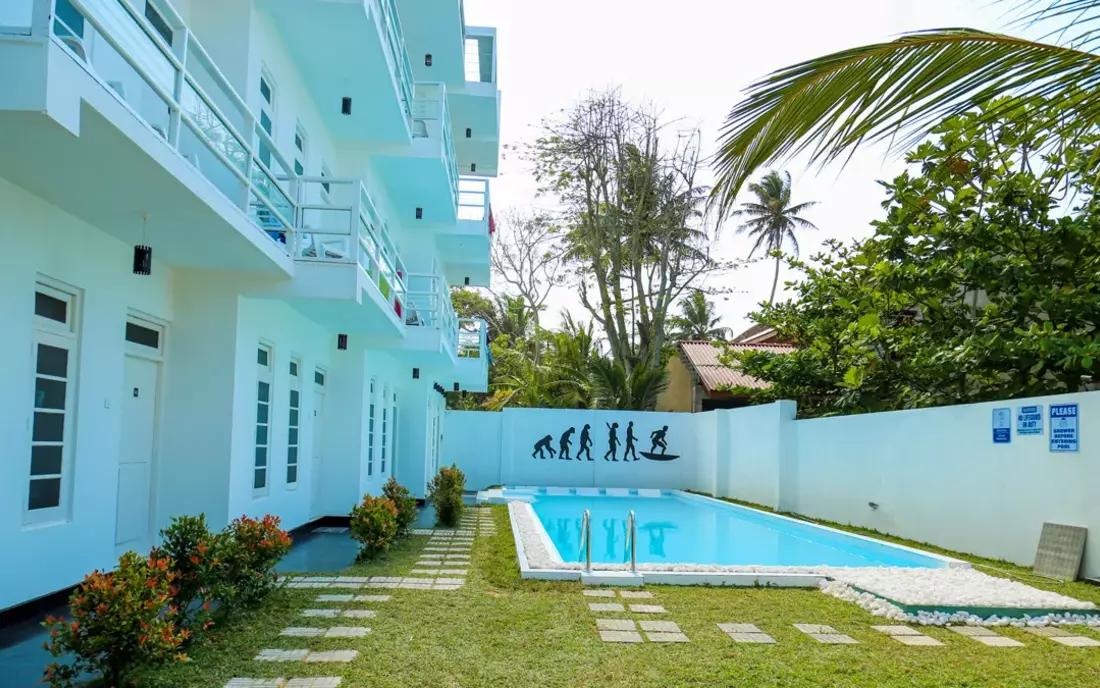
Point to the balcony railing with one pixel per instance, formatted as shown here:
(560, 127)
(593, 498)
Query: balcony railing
(432, 118)
(430, 307)
(472, 341)
(166, 78)
(396, 53)
(338, 223)
(473, 200)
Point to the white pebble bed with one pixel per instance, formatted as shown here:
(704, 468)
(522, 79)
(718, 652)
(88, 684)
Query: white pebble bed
(950, 587)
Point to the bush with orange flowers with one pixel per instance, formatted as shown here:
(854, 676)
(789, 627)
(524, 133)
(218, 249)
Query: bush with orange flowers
(249, 549)
(121, 620)
(374, 525)
(407, 512)
(195, 559)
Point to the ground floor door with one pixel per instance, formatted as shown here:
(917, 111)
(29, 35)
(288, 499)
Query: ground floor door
(317, 467)
(133, 524)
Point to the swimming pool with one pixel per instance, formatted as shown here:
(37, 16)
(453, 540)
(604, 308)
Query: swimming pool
(676, 528)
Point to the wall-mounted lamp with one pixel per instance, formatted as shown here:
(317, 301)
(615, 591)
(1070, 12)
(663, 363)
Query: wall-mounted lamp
(342, 342)
(456, 387)
(466, 281)
(420, 213)
(416, 373)
(469, 132)
(473, 167)
(345, 106)
(143, 260)
(428, 60)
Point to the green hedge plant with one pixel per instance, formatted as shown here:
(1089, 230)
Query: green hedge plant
(405, 503)
(374, 525)
(445, 491)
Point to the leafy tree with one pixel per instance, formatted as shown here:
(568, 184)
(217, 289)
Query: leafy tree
(771, 219)
(981, 283)
(697, 319)
(470, 303)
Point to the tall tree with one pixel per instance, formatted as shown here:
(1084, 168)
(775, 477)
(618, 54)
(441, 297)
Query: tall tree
(771, 219)
(632, 213)
(697, 319)
(898, 90)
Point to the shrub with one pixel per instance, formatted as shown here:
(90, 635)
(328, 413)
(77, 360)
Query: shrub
(249, 549)
(405, 503)
(445, 491)
(194, 559)
(122, 620)
(374, 524)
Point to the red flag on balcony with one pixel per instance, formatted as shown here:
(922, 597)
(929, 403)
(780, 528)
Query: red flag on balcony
(492, 223)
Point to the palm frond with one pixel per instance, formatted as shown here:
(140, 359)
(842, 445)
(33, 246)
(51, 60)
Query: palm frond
(1071, 22)
(829, 105)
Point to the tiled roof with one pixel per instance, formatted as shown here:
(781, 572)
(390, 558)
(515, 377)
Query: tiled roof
(703, 356)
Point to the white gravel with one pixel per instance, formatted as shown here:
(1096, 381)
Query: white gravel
(950, 587)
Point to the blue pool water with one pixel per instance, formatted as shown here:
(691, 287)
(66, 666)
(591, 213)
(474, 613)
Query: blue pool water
(682, 529)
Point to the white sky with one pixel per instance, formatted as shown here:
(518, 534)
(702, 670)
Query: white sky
(692, 58)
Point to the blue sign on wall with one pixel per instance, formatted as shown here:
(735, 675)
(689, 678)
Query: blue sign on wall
(1029, 420)
(1063, 428)
(1002, 425)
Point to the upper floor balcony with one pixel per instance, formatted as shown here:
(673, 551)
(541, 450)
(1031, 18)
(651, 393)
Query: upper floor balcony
(121, 117)
(351, 50)
(464, 247)
(474, 358)
(422, 180)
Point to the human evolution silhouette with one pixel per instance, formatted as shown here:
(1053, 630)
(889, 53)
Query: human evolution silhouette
(658, 439)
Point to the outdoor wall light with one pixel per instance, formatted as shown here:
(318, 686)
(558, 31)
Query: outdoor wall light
(420, 213)
(456, 386)
(473, 167)
(469, 132)
(143, 260)
(428, 60)
(416, 373)
(467, 281)
(342, 342)
(345, 106)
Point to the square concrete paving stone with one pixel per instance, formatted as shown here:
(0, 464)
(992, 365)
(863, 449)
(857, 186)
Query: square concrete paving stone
(762, 638)
(430, 562)
(599, 593)
(320, 682)
(415, 586)
(615, 625)
(334, 598)
(256, 683)
(636, 594)
(606, 607)
(332, 656)
(833, 639)
(974, 631)
(450, 581)
(917, 640)
(444, 586)
(384, 579)
(372, 598)
(347, 632)
(648, 609)
(738, 628)
(815, 628)
(667, 638)
(357, 613)
(281, 655)
(1075, 641)
(381, 586)
(303, 632)
(454, 572)
(320, 612)
(897, 630)
(621, 637)
(997, 641)
(659, 626)
(1048, 632)
(428, 572)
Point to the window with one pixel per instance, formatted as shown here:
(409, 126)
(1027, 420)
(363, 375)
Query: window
(55, 353)
(143, 336)
(370, 432)
(263, 420)
(301, 149)
(293, 424)
(267, 116)
(158, 22)
(319, 377)
(385, 396)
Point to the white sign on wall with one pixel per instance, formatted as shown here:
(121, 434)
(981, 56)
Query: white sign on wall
(1002, 425)
(1063, 428)
(1029, 420)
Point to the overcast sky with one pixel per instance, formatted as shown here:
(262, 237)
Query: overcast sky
(692, 58)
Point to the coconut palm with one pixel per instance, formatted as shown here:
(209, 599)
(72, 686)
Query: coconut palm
(697, 319)
(772, 219)
(898, 90)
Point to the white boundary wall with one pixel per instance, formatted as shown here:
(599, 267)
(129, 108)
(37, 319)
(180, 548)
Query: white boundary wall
(935, 474)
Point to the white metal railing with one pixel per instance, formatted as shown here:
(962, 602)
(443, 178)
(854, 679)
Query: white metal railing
(473, 199)
(430, 307)
(337, 222)
(193, 106)
(586, 535)
(431, 118)
(472, 342)
(397, 53)
(632, 536)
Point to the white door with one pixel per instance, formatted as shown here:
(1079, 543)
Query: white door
(135, 461)
(318, 450)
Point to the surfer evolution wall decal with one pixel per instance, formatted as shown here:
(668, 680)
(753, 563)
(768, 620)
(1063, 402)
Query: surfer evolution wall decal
(658, 440)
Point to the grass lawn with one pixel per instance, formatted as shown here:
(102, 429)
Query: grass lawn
(499, 630)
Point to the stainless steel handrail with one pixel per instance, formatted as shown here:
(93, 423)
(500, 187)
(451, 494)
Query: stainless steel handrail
(586, 533)
(632, 534)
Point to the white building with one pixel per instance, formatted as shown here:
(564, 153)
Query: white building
(293, 165)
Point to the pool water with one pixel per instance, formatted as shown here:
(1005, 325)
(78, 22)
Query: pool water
(674, 528)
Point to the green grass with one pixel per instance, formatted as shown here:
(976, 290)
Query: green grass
(500, 630)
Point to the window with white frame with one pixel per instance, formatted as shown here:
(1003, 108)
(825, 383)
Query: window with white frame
(393, 442)
(370, 432)
(56, 338)
(264, 367)
(294, 423)
(267, 115)
(301, 149)
(385, 436)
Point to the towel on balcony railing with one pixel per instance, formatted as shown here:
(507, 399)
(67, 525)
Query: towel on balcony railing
(492, 223)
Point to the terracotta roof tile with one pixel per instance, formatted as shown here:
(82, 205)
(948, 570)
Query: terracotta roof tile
(703, 357)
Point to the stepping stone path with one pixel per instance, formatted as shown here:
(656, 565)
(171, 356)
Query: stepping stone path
(986, 636)
(306, 656)
(826, 634)
(907, 635)
(1063, 637)
(745, 633)
(334, 632)
(326, 682)
(626, 630)
(409, 583)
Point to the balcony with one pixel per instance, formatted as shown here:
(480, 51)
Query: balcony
(465, 246)
(425, 175)
(354, 50)
(474, 358)
(348, 275)
(436, 28)
(432, 326)
(115, 120)
(475, 105)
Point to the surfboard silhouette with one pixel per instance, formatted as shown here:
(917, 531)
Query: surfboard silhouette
(653, 456)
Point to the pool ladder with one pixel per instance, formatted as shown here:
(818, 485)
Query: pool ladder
(631, 534)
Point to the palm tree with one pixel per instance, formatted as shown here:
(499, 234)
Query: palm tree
(697, 319)
(898, 90)
(614, 387)
(772, 218)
